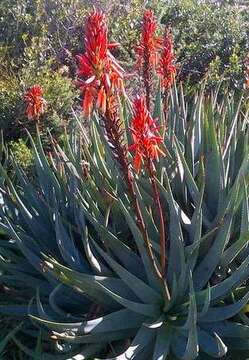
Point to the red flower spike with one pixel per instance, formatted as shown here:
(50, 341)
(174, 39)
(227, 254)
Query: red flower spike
(101, 75)
(145, 135)
(36, 105)
(150, 44)
(166, 68)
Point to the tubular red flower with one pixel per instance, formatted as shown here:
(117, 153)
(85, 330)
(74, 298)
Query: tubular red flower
(166, 68)
(35, 104)
(146, 139)
(98, 70)
(150, 43)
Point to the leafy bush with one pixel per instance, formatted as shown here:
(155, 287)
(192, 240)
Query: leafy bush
(9, 101)
(59, 93)
(48, 35)
(39, 40)
(212, 30)
(34, 60)
(22, 154)
(206, 33)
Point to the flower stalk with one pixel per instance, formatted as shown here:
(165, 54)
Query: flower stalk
(157, 201)
(101, 82)
(114, 133)
(146, 147)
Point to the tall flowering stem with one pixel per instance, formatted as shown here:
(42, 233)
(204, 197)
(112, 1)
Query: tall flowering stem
(146, 145)
(148, 52)
(166, 68)
(101, 81)
(35, 103)
(115, 137)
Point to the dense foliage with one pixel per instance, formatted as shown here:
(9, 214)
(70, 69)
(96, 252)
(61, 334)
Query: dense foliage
(40, 38)
(126, 238)
(210, 38)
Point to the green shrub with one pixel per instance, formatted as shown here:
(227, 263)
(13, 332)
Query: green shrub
(22, 154)
(9, 100)
(41, 38)
(59, 92)
(202, 31)
(206, 32)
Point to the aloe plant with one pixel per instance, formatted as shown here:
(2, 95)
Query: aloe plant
(77, 259)
(131, 240)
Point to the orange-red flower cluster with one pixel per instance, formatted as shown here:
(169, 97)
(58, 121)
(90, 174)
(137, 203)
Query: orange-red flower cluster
(155, 53)
(145, 135)
(35, 104)
(100, 73)
(166, 68)
(148, 49)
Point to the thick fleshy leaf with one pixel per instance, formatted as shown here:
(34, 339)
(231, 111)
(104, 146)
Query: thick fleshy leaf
(88, 351)
(192, 347)
(211, 344)
(176, 247)
(141, 289)
(228, 329)
(235, 249)
(162, 343)
(212, 163)
(97, 286)
(116, 321)
(66, 245)
(143, 337)
(207, 266)
(120, 250)
(225, 312)
(138, 238)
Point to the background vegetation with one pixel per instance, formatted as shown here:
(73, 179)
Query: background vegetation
(40, 38)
